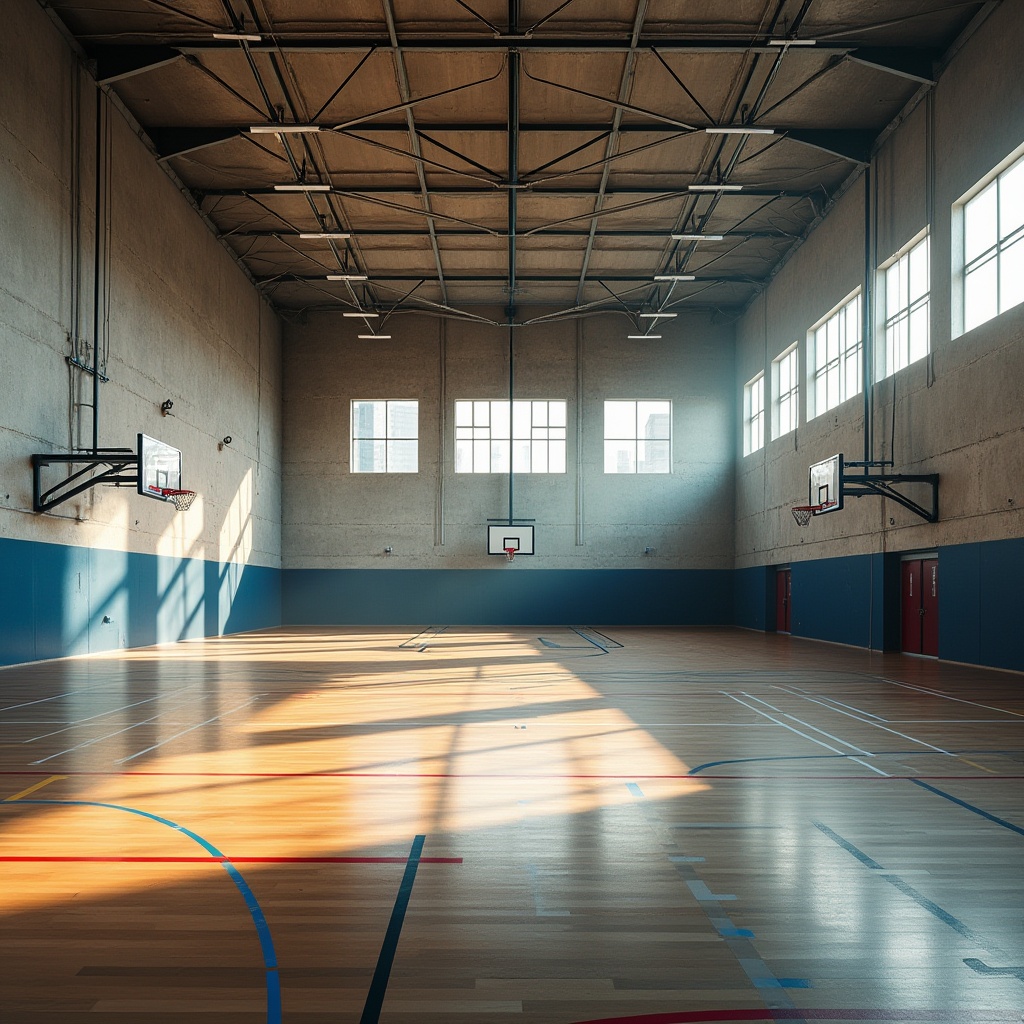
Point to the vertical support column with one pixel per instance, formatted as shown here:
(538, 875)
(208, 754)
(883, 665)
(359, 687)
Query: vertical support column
(868, 325)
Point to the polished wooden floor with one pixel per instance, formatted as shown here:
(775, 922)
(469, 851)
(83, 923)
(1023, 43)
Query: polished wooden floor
(532, 825)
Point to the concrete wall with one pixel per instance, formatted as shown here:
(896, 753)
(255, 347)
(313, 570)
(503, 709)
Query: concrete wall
(957, 413)
(587, 522)
(179, 321)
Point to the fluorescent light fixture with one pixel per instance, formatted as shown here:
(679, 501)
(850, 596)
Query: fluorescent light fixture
(324, 234)
(674, 277)
(656, 316)
(739, 130)
(346, 277)
(792, 42)
(715, 188)
(697, 238)
(301, 187)
(643, 337)
(362, 315)
(283, 129)
(249, 37)
(374, 337)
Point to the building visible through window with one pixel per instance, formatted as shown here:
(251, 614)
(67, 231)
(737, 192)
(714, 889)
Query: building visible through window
(385, 436)
(637, 437)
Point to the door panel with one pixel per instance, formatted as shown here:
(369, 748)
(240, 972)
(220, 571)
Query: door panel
(930, 607)
(910, 606)
(783, 603)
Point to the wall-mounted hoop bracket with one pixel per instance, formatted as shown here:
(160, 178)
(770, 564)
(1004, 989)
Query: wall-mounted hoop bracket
(113, 466)
(856, 486)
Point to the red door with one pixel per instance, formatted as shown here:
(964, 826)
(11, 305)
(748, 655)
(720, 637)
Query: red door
(930, 607)
(783, 604)
(919, 606)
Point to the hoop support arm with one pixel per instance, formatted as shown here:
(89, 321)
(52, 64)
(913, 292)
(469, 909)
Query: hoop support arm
(122, 468)
(881, 484)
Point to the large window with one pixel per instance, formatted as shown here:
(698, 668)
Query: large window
(993, 254)
(524, 436)
(906, 307)
(786, 391)
(637, 437)
(753, 415)
(835, 350)
(385, 436)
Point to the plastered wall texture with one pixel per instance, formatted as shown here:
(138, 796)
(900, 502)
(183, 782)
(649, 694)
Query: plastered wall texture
(585, 518)
(958, 412)
(182, 323)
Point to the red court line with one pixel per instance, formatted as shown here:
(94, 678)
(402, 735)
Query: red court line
(32, 859)
(799, 1013)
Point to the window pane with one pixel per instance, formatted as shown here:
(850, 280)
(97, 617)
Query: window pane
(919, 333)
(654, 457)
(820, 394)
(402, 456)
(619, 420)
(499, 419)
(521, 419)
(556, 457)
(620, 456)
(368, 419)
(464, 414)
(368, 456)
(463, 433)
(521, 456)
(540, 414)
(500, 454)
(1011, 200)
(481, 456)
(653, 419)
(832, 339)
(851, 385)
(900, 341)
(981, 297)
(1011, 276)
(557, 414)
(539, 456)
(833, 387)
(918, 271)
(463, 456)
(481, 414)
(980, 224)
(893, 303)
(403, 419)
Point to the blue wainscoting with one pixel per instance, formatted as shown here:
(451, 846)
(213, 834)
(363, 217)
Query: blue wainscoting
(509, 597)
(58, 600)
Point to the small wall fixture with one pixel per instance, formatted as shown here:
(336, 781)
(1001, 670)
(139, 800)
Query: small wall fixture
(224, 442)
(166, 406)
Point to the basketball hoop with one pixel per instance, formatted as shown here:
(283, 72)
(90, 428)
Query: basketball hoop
(182, 499)
(802, 513)
(510, 553)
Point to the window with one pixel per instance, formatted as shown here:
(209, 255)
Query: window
(490, 434)
(835, 348)
(385, 436)
(637, 437)
(906, 307)
(786, 391)
(753, 414)
(993, 247)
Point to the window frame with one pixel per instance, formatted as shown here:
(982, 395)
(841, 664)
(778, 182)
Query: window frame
(961, 267)
(637, 438)
(888, 325)
(845, 353)
(779, 429)
(753, 414)
(473, 435)
(387, 440)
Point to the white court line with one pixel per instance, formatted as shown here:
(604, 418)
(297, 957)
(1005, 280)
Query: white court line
(805, 736)
(797, 692)
(852, 746)
(41, 700)
(945, 696)
(103, 714)
(192, 728)
(98, 739)
(864, 721)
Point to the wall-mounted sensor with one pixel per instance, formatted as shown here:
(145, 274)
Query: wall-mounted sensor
(227, 440)
(224, 442)
(165, 407)
(388, 550)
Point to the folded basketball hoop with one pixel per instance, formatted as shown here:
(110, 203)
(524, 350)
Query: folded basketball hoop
(802, 513)
(182, 499)
(510, 553)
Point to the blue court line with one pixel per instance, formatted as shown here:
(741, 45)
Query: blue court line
(255, 912)
(848, 846)
(635, 790)
(969, 807)
(933, 908)
(379, 984)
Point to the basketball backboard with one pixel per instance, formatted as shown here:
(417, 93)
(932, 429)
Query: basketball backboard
(501, 537)
(159, 468)
(825, 484)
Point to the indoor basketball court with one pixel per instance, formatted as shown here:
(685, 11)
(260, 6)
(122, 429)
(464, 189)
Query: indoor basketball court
(509, 511)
